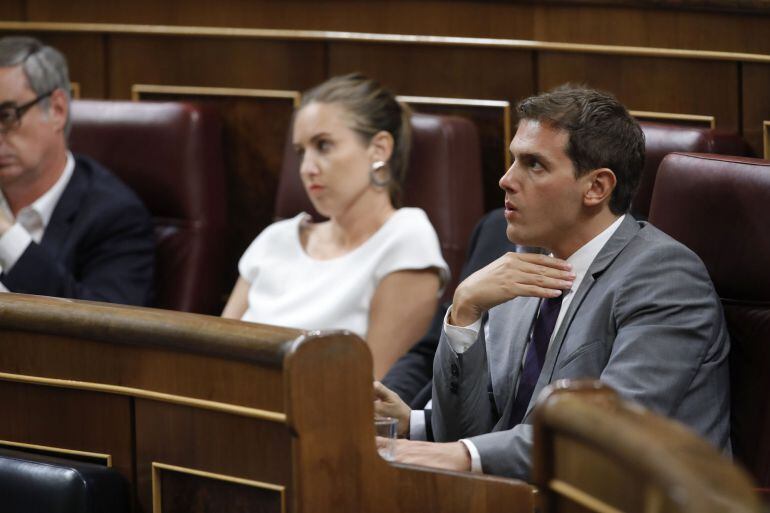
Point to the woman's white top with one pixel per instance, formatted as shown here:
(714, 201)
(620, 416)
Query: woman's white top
(290, 288)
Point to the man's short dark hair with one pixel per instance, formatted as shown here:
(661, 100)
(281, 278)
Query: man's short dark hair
(601, 134)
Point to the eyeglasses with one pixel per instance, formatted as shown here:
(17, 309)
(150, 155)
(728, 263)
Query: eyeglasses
(10, 113)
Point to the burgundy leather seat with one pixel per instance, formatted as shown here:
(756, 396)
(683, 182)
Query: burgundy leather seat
(171, 155)
(719, 207)
(662, 139)
(443, 178)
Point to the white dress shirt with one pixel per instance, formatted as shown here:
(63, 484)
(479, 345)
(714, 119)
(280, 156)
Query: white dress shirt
(462, 338)
(31, 222)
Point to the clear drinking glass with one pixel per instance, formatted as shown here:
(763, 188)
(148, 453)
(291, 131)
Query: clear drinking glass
(385, 430)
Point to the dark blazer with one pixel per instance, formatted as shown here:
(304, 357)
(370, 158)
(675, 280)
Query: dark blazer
(98, 244)
(410, 377)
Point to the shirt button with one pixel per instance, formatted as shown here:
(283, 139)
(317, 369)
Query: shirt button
(453, 387)
(455, 370)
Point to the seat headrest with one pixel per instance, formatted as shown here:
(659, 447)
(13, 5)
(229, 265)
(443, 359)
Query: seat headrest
(660, 139)
(719, 206)
(169, 153)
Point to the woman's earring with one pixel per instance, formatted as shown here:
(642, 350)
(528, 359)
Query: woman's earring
(373, 174)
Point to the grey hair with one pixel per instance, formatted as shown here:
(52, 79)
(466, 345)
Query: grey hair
(44, 66)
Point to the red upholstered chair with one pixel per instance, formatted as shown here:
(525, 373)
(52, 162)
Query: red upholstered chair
(662, 139)
(719, 207)
(443, 178)
(171, 155)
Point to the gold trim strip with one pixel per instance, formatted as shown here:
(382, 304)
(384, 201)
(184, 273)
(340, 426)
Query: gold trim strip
(156, 487)
(138, 89)
(672, 116)
(471, 102)
(58, 450)
(508, 136)
(580, 497)
(363, 37)
(243, 411)
(766, 138)
(463, 102)
(75, 90)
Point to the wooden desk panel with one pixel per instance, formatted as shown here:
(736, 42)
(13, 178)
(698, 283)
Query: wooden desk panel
(216, 443)
(68, 420)
(209, 446)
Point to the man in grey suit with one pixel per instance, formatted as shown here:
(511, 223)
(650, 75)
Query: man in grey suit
(618, 300)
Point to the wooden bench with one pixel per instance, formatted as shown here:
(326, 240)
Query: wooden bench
(200, 413)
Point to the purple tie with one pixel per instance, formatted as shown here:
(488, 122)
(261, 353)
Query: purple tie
(533, 362)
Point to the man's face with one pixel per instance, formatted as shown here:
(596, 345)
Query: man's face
(26, 148)
(543, 199)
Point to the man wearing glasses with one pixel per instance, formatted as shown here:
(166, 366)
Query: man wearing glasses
(68, 227)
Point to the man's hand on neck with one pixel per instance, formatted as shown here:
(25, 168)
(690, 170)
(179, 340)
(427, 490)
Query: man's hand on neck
(512, 275)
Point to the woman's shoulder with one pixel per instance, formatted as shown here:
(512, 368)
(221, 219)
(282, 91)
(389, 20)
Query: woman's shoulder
(410, 216)
(407, 228)
(282, 233)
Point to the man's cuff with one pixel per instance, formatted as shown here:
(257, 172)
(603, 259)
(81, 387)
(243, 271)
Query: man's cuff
(475, 456)
(461, 338)
(13, 244)
(417, 429)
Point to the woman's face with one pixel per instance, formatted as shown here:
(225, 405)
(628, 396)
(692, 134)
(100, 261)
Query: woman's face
(335, 161)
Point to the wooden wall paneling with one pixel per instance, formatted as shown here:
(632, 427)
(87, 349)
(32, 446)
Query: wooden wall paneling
(12, 10)
(213, 443)
(439, 70)
(766, 138)
(677, 86)
(84, 421)
(493, 120)
(756, 103)
(463, 18)
(662, 28)
(256, 123)
(86, 59)
(213, 62)
(626, 23)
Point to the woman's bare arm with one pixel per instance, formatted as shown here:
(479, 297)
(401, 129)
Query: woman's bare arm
(238, 302)
(401, 310)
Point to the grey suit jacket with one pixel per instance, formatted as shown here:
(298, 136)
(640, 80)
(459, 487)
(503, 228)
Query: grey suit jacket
(645, 320)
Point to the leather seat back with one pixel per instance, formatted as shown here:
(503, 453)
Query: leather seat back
(719, 207)
(171, 155)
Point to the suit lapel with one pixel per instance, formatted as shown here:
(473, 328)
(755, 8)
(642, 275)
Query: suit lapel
(58, 229)
(509, 326)
(622, 236)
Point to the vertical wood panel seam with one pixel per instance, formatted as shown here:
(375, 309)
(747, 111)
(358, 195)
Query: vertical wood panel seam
(134, 460)
(739, 71)
(106, 66)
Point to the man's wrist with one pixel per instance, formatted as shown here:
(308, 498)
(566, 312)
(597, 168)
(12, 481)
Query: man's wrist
(464, 311)
(404, 424)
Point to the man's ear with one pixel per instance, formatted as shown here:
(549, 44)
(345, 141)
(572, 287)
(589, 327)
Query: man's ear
(381, 146)
(58, 109)
(600, 184)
